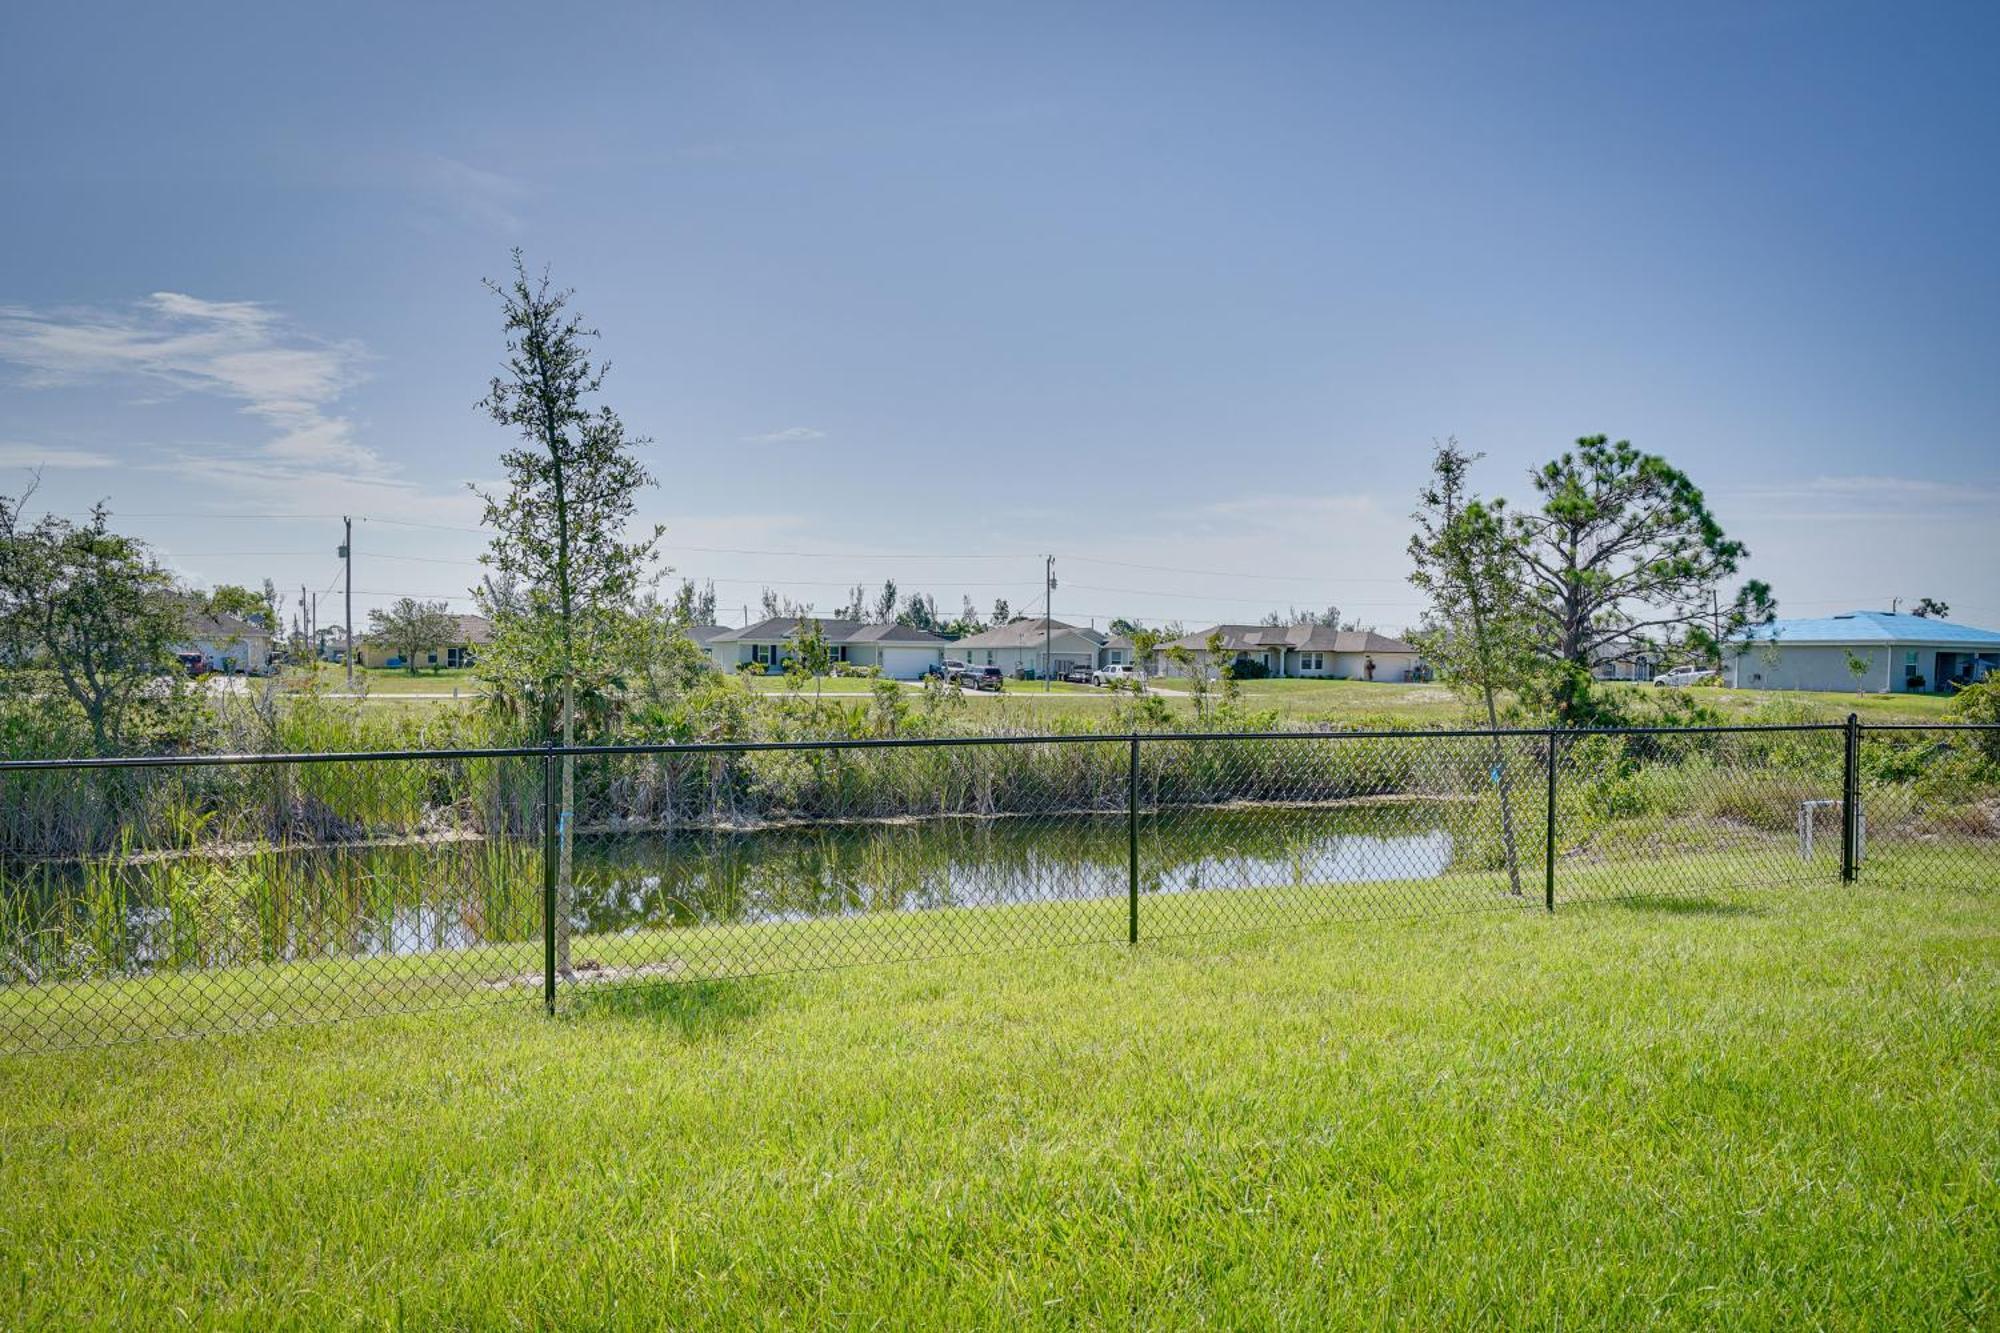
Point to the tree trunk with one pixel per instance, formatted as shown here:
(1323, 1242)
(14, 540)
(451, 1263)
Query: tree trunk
(1499, 758)
(1506, 797)
(565, 887)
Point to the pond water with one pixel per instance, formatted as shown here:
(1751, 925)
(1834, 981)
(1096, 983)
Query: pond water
(626, 883)
(411, 899)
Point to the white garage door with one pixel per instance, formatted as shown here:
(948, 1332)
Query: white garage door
(907, 663)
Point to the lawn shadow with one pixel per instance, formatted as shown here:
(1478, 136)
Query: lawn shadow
(1667, 904)
(696, 1009)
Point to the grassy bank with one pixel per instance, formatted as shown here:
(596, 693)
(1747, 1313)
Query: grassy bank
(1765, 1110)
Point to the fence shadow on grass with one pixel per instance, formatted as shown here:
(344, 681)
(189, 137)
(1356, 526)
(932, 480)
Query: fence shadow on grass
(1667, 904)
(698, 1010)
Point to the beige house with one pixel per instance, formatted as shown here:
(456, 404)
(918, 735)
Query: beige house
(474, 633)
(1303, 651)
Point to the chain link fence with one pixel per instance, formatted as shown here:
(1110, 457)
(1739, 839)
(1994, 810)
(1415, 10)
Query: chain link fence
(145, 898)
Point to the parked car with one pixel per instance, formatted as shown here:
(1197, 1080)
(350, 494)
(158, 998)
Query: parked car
(981, 678)
(1077, 675)
(952, 668)
(1683, 675)
(195, 664)
(1113, 675)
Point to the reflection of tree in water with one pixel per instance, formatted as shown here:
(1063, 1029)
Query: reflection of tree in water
(802, 873)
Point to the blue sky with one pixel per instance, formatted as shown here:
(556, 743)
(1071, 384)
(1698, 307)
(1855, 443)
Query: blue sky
(928, 291)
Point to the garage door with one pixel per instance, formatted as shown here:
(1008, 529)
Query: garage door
(907, 663)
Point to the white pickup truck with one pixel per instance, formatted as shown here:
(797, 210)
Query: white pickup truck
(1683, 676)
(1114, 675)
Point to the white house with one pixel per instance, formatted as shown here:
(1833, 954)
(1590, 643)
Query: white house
(1872, 651)
(900, 652)
(1310, 651)
(1019, 648)
(230, 644)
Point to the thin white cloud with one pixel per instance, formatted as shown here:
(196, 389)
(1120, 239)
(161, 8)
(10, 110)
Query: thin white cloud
(17, 454)
(240, 351)
(789, 435)
(487, 198)
(1816, 497)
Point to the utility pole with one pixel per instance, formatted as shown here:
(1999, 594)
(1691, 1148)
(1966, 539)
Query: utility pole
(347, 554)
(1048, 633)
(306, 628)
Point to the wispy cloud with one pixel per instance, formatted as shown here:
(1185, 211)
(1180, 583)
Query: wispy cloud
(487, 198)
(19, 454)
(789, 435)
(1843, 498)
(240, 351)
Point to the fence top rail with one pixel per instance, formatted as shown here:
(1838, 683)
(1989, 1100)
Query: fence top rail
(938, 742)
(1930, 726)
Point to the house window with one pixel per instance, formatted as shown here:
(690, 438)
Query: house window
(1312, 661)
(763, 654)
(840, 652)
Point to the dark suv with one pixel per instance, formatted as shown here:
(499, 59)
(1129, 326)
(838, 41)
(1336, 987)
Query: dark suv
(981, 678)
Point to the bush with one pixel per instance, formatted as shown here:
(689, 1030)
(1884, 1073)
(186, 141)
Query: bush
(1981, 703)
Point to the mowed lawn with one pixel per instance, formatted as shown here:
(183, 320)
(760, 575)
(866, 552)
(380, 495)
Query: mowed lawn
(1772, 1109)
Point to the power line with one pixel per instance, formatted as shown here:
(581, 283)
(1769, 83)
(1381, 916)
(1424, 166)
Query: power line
(1234, 574)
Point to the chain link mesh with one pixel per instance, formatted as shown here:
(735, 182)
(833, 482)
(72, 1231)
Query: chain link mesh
(187, 897)
(206, 898)
(1684, 814)
(1930, 806)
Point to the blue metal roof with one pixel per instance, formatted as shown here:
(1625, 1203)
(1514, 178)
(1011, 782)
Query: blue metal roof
(1874, 627)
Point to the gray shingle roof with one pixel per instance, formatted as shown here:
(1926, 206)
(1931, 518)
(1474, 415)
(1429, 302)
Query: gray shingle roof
(202, 625)
(1304, 638)
(777, 629)
(1025, 634)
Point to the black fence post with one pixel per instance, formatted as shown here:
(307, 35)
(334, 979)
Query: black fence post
(1132, 843)
(1549, 851)
(549, 856)
(1850, 802)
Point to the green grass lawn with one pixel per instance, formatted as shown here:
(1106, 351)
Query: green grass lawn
(1735, 705)
(384, 680)
(1717, 1109)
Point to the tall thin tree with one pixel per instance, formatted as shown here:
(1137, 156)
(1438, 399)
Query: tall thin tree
(1464, 556)
(559, 526)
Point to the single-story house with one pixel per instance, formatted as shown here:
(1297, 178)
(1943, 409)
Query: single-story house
(1626, 664)
(1118, 650)
(1308, 651)
(898, 651)
(704, 637)
(1874, 652)
(1029, 647)
(229, 643)
(473, 633)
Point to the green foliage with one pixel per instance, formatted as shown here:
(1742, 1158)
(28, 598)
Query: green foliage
(412, 628)
(89, 617)
(1981, 703)
(559, 525)
(234, 600)
(1623, 548)
(1471, 564)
